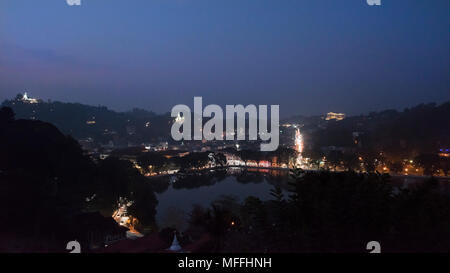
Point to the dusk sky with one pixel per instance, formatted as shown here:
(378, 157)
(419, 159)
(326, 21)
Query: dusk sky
(310, 57)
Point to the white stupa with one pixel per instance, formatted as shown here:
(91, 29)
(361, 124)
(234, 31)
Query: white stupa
(175, 247)
(27, 99)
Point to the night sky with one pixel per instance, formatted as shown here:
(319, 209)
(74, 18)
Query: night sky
(310, 57)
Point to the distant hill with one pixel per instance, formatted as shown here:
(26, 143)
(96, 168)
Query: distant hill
(424, 128)
(305, 120)
(420, 129)
(96, 122)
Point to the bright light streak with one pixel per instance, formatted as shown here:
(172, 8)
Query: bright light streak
(299, 146)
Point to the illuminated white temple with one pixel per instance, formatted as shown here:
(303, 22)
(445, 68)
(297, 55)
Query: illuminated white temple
(179, 118)
(175, 247)
(26, 99)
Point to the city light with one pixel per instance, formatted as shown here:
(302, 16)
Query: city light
(26, 99)
(298, 147)
(179, 118)
(335, 116)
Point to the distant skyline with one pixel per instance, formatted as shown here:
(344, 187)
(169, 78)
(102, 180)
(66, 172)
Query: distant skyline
(310, 57)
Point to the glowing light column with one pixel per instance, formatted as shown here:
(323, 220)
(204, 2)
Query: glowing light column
(298, 147)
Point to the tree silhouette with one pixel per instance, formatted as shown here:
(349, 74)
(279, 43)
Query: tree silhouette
(6, 115)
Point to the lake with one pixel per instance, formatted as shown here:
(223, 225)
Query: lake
(177, 200)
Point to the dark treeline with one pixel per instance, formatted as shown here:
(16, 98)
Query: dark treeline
(47, 182)
(282, 154)
(159, 162)
(331, 212)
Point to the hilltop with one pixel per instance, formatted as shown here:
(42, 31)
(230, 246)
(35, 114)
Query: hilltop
(95, 122)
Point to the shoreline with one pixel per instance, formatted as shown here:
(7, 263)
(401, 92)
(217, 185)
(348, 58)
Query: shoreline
(289, 169)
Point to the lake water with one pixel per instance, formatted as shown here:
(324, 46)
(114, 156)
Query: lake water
(177, 201)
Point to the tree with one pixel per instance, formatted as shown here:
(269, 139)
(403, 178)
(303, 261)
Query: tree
(18, 96)
(218, 220)
(220, 159)
(445, 165)
(315, 154)
(429, 162)
(286, 155)
(253, 213)
(370, 159)
(6, 115)
(337, 211)
(277, 194)
(152, 162)
(396, 166)
(335, 158)
(350, 161)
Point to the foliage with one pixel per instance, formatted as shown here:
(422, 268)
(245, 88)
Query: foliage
(46, 180)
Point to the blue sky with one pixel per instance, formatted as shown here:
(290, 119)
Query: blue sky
(309, 57)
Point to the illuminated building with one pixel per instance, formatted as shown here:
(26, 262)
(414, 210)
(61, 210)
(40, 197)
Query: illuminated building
(264, 164)
(179, 118)
(91, 121)
(335, 116)
(444, 152)
(233, 160)
(26, 99)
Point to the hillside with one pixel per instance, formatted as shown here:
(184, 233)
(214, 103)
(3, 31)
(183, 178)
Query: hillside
(96, 122)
